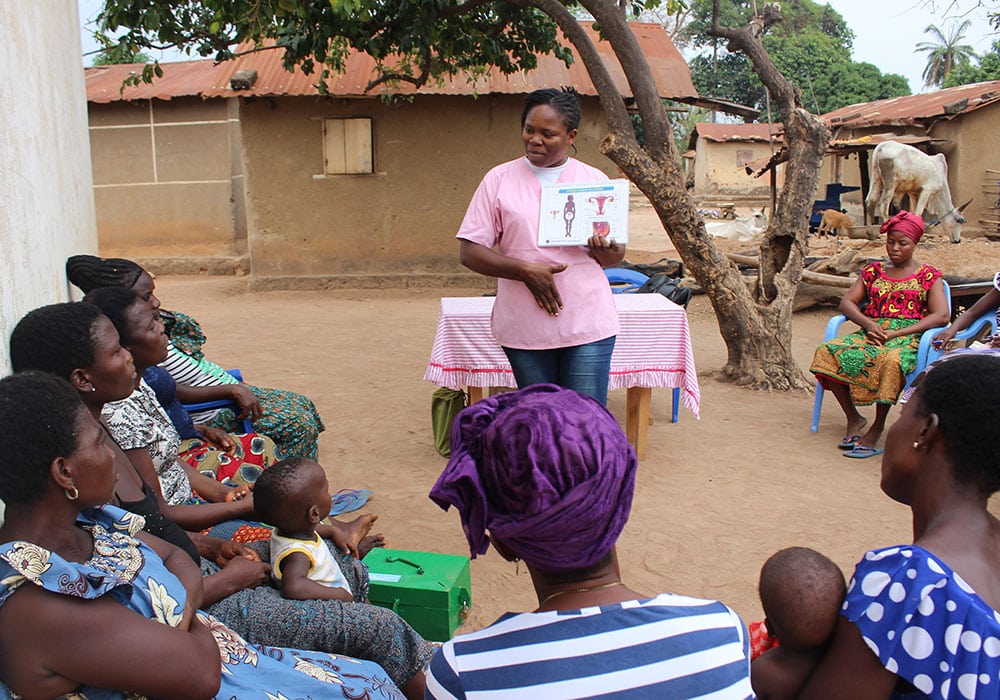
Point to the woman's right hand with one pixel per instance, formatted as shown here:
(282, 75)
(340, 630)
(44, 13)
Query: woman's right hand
(540, 280)
(876, 333)
(247, 573)
(943, 339)
(238, 574)
(247, 401)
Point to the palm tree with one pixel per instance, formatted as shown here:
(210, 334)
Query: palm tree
(945, 53)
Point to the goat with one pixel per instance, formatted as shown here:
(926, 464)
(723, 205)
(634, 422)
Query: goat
(836, 221)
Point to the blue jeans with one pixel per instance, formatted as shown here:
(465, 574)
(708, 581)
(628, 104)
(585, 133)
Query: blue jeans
(584, 368)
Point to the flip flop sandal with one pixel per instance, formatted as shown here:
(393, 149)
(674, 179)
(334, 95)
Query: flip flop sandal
(848, 442)
(863, 452)
(346, 500)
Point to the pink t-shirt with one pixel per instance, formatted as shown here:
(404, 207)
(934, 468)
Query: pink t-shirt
(503, 213)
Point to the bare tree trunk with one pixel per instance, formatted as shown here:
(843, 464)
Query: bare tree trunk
(755, 324)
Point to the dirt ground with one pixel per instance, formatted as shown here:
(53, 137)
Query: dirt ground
(714, 498)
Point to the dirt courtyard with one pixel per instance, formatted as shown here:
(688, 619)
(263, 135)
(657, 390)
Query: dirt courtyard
(714, 497)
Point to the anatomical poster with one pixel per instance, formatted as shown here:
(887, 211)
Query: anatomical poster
(573, 212)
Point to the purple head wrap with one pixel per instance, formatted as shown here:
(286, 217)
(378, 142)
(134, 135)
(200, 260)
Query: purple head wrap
(546, 470)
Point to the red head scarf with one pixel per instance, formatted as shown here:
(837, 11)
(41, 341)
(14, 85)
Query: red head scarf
(910, 225)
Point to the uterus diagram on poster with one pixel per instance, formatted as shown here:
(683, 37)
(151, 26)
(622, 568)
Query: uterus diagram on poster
(573, 212)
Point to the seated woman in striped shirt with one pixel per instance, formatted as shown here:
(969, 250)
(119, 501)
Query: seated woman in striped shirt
(288, 418)
(546, 476)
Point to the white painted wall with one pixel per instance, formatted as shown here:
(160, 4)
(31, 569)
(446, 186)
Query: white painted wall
(46, 187)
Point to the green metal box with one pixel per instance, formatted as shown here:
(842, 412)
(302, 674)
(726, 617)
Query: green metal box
(433, 592)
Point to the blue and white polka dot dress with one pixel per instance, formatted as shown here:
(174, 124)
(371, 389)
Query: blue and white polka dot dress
(925, 623)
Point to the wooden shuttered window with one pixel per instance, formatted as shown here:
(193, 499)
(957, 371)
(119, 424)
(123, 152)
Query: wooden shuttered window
(347, 146)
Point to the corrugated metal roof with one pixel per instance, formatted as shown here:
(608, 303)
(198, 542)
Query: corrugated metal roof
(916, 109)
(205, 78)
(738, 132)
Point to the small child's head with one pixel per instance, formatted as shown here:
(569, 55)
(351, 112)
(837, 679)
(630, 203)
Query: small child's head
(801, 591)
(293, 495)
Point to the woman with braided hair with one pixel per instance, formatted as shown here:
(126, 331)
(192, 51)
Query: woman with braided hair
(290, 419)
(554, 315)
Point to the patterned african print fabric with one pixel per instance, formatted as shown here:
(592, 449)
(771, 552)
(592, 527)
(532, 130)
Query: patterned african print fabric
(925, 624)
(132, 574)
(290, 419)
(357, 629)
(252, 455)
(876, 373)
(897, 298)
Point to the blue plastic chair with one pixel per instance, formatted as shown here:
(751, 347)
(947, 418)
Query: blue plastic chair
(221, 403)
(623, 280)
(923, 354)
(987, 320)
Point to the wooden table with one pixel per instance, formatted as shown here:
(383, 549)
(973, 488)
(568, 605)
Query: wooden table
(653, 350)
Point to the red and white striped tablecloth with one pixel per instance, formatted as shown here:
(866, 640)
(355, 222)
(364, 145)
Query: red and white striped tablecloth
(653, 348)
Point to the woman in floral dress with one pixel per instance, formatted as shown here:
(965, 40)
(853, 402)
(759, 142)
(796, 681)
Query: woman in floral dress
(893, 304)
(91, 607)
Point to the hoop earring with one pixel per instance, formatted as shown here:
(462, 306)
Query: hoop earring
(72, 493)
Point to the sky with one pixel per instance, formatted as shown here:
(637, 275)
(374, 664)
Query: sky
(886, 31)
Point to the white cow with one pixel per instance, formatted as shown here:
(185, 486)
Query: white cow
(899, 169)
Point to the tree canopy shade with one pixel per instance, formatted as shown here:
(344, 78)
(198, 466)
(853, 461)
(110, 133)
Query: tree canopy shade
(811, 47)
(417, 40)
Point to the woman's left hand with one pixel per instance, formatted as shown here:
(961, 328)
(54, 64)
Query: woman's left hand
(606, 251)
(217, 438)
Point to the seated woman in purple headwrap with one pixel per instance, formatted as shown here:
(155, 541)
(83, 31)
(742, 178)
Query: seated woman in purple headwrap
(546, 476)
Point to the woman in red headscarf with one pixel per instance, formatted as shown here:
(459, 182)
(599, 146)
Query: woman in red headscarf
(893, 303)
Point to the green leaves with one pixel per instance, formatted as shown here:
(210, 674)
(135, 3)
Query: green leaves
(411, 40)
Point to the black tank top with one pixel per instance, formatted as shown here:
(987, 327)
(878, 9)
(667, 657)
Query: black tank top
(158, 524)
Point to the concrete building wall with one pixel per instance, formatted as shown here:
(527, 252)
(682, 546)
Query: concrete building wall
(168, 178)
(429, 156)
(193, 178)
(719, 168)
(974, 151)
(47, 212)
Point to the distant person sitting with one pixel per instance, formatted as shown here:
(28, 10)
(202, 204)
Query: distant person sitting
(293, 495)
(801, 592)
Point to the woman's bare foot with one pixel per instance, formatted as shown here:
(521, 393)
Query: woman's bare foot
(369, 543)
(870, 439)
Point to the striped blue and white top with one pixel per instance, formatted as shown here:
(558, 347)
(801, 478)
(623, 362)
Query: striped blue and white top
(667, 647)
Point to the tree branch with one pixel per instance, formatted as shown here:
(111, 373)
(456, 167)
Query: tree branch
(610, 97)
(747, 39)
(417, 81)
(658, 138)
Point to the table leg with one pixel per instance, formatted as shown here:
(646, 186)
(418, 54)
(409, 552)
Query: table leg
(475, 394)
(638, 400)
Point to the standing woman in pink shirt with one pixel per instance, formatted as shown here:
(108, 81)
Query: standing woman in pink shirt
(554, 315)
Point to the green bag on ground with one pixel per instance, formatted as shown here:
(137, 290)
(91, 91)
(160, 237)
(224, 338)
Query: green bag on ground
(445, 405)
